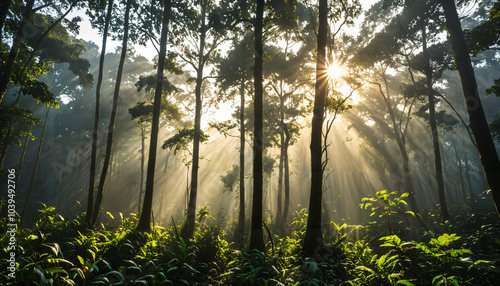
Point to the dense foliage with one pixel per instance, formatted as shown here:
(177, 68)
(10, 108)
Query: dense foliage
(61, 251)
(381, 117)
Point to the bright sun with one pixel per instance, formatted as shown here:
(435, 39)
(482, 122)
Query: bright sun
(336, 73)
(335, 70)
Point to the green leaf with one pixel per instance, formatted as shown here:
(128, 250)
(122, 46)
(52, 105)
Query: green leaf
(364, 268)
(438, 277)
(38, 271)
(53, 270)
(405, 282)
(57, 260)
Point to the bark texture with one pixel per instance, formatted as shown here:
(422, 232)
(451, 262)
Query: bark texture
(478, 122)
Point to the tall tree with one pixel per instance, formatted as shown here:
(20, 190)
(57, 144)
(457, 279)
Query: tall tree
(234, 74)
(109, 143)
(145, 218)
(285, 90)
(208, 33)
(33, 177)
(143, 114)
(240, 230)
(478, 122)
(256, 234)
(313, 240)
(23, 152)
(433, 124)
(93, 154)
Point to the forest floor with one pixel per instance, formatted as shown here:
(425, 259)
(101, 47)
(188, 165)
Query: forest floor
(59, 251)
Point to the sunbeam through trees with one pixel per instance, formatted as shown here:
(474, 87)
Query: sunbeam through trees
(238, 142)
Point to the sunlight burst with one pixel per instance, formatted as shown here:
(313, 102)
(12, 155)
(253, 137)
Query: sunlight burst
(335, 71)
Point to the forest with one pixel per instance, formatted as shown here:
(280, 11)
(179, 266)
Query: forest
(234, 142)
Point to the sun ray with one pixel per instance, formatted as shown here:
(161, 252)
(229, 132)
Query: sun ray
(335, 70)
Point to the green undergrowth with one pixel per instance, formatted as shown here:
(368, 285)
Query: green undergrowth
(59, 251)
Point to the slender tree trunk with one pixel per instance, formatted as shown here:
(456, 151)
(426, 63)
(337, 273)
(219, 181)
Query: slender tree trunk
(313, 241)
(109, 186)
(9, 66)
(279, 216)
(60, 190)
(145, 219)
(478, 122)
(93, 154)
(33, 177)
(161, 212)
(434, 130)
(449, 194)
(460, 172)
(240, 230)
(467, 173)
(256, 233)
(25, 146)
(188, 228)
(142, 170)
(109, 144)
(74, 176)
(286, 206)
(187, 187)
(280, 179)
(241, 216)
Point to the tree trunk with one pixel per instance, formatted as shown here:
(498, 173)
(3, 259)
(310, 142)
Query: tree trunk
(256, 234)
(161, 212)
(25, 146)
(93, 154)
(142, 170)
(286, 205)
(460, 172)
(467, 173)
(279, 216)
(60, 190)
(478, 122)
(187, 187)
(280, 179)
(33, 177)
(240, 229)
(434, 130)
(145, 219)
(109, 143)
(188, 228)
(7, 69)
(313, 241)
(109, 186)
